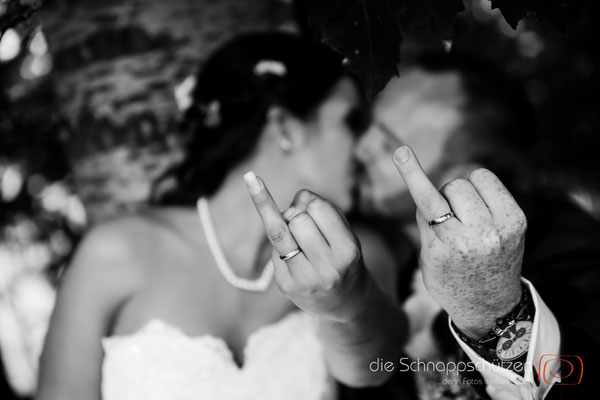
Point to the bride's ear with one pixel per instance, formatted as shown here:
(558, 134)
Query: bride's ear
(285, 129)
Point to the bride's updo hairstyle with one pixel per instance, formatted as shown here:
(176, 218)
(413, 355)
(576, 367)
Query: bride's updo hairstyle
(234, 89)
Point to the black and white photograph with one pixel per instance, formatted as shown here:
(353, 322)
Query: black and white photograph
(299, 199)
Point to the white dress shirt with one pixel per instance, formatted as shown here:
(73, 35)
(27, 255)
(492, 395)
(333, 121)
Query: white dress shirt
(542, 355)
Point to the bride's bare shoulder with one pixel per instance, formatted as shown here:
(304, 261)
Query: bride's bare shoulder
(142, 238)
(129, 236)
(108, 262)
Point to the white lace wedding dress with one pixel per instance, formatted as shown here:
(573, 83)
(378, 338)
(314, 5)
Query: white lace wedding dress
(281, 361)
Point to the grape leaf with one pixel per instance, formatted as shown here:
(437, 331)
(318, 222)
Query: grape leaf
(429, 19)
(368, 33)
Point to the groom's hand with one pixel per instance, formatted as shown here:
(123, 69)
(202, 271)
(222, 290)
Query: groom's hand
(472, 261)
(327, 277)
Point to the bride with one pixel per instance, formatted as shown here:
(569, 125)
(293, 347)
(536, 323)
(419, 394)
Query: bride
(177, 302)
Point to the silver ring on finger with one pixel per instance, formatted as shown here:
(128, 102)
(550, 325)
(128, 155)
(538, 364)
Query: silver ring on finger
(441, 219)
(290, 255)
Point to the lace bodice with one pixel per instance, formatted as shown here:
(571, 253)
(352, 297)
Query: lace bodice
(281, 361)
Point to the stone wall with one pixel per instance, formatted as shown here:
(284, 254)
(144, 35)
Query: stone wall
(116, 64)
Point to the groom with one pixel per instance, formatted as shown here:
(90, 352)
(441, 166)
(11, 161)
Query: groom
(460, 113)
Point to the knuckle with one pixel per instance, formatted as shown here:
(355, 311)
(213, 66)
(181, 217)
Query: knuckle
(304, 195)
(260, 198)
(310, 287)
(455, 186)
(287, 287)
(315, 205)
(350, 254)
(277, 234)
(515, 221)
(481, 174)
(491, 241)
(331, 282)
(298, 220)
(521, 220)
(523, 224)
(520, 225)
(461, 245)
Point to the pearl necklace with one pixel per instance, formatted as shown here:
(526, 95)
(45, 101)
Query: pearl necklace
(259, 285)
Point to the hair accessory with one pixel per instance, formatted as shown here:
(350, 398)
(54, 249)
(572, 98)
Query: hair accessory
(272, 67)
(212, 114)
(183, 93)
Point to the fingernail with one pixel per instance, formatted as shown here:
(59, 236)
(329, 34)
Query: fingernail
(402, 154)
(289, 213)
(252, 182)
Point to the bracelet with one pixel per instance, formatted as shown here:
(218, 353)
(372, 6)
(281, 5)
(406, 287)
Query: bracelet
(486, 345)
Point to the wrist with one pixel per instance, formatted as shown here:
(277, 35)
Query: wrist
(476, 320)
(507, 343)
(357, 302)
(372, 322)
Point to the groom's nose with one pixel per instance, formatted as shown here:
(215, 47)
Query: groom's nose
(365, 148)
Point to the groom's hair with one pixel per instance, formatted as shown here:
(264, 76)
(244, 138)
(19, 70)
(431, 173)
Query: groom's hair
(498, 128)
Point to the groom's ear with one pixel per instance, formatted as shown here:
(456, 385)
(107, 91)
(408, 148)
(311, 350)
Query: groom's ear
(287, 130)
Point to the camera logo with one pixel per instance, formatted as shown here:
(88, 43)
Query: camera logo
(569, 369)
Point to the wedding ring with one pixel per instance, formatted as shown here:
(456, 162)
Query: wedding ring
(291, 254)
(441, 219)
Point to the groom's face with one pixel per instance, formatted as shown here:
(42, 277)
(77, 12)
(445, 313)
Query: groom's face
(419, 109)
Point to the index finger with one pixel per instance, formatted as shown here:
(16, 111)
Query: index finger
(276, 228)
(428, 199)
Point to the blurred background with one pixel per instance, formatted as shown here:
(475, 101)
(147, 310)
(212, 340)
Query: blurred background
(91, 93)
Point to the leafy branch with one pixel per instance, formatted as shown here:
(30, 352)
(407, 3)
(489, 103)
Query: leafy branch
(16, 12)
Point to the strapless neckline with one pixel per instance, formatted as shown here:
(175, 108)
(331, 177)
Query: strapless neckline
(160, 326)
(162, 361)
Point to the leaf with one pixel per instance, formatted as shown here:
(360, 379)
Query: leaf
(512, 10)
(366, 33)
(16, 11)
(429, 19)
(318, 13)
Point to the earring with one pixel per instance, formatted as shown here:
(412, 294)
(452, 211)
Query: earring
(212, 111)
(286, 145)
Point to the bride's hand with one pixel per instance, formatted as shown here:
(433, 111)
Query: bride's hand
(327, 276)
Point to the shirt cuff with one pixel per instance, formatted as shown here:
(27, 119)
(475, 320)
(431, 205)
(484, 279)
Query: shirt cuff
(545, 341)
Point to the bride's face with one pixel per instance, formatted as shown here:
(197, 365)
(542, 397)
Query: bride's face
(327, 166)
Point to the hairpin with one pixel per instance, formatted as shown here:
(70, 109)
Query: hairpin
(183, 93)
(272, 67)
